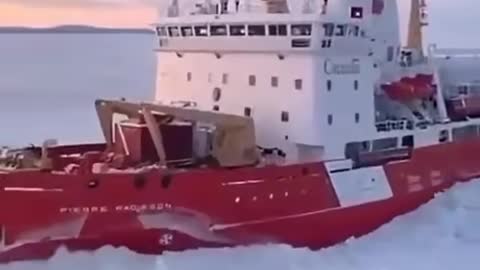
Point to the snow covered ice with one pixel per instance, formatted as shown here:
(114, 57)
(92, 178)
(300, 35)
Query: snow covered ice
(443, 234)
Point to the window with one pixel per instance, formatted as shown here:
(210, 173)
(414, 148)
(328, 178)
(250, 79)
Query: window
(301, 29)
(285, 117)
(256, 30)
(298, 84)
(356, 12)
(189, 76)
(357, 118)
(173, 31)
(274, 81)
(252, 80)
(237, 30)
(216, 108)
(330, 119)
(161, 31)
(282, 30)
(247, 111)
(301, 43)
(329, 85)
(408, 141)
(277, 30)
(218, 30)
(201, 31)
(224, 78)
(187, 31)
(355, 84)
(329, 29)
(272, 30)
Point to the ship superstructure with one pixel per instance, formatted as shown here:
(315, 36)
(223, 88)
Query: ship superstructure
(321, 79)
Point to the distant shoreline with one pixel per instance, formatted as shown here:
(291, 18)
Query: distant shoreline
(73, 29)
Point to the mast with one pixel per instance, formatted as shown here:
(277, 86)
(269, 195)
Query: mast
(417, 20)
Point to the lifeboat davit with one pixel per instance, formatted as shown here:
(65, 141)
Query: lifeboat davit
(407, 88)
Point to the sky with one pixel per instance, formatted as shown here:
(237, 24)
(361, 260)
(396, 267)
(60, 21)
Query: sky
(115, 13)
(455, 17)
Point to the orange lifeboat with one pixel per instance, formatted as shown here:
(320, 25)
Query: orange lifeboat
(407, 88)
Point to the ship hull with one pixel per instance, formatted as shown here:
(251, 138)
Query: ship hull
(300, 205)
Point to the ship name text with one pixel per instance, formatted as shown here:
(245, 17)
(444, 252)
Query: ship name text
(138, 208)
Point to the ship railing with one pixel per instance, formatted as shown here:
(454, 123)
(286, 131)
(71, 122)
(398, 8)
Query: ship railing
(391, 125)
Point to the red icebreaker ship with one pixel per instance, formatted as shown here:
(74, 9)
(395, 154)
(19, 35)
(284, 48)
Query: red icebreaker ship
(270, 124)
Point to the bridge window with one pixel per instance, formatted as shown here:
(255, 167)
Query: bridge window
(277, 30)
(272, 30)
(201, 30)
(173, 31)
(256, 30)
(329, 29)
(161, 31)
(187, 31)
(237, 30)
(218, 30)
(301, 30)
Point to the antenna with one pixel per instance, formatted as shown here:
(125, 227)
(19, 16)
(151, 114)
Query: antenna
(173, 9)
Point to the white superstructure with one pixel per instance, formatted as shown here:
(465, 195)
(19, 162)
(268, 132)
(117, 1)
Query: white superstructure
(311, 73)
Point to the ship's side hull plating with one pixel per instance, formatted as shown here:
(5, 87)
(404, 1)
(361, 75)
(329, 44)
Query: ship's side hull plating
(301, 205)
